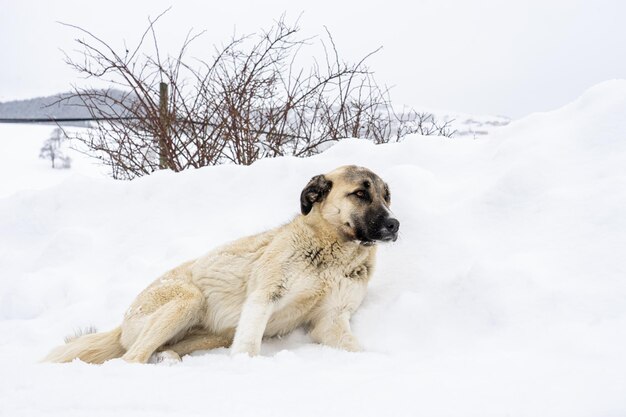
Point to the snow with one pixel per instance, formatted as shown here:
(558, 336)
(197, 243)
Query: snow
(20, 165)
(505, 294)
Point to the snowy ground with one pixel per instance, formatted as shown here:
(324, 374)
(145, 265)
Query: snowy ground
(504, 296)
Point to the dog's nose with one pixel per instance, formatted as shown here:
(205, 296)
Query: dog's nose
(392, 225)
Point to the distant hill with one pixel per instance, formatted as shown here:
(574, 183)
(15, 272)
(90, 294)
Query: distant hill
(63, 105)
(471, 125)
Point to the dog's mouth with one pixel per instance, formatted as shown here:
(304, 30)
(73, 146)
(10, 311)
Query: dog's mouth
(371, 242)
(390, 238)
(382, 236)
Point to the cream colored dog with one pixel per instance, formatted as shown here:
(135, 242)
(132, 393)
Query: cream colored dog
(312, 271)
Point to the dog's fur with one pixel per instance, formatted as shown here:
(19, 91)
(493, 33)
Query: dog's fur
(312, 271)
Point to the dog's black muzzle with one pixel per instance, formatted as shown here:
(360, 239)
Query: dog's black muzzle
(379, 228)
(389, 231)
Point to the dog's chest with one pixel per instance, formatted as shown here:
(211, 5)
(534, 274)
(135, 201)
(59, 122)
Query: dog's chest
(303, 292)
(293, 308)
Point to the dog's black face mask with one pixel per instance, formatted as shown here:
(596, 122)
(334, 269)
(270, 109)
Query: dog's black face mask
(376, 225)
(372, 220)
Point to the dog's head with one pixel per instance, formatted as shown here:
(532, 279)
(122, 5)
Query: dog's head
(355, 201)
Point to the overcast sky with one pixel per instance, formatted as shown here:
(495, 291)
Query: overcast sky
(485, 57)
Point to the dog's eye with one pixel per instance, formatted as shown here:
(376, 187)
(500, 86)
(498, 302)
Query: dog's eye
(361, 194)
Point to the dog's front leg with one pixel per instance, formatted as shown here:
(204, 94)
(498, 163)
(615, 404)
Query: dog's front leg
(256, 311)
(334, 330)
(330, 321)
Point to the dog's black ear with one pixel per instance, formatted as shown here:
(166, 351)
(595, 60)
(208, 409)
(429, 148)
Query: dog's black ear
(315, 191)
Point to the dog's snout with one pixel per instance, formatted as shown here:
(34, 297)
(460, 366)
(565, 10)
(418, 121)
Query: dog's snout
(392, 225)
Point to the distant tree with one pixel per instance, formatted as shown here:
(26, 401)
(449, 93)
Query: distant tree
(52, 150)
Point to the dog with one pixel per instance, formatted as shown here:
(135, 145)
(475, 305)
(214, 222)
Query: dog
(312, 272)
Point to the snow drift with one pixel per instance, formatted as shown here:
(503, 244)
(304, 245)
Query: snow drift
(505, 294)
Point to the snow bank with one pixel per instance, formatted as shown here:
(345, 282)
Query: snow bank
(503, 296)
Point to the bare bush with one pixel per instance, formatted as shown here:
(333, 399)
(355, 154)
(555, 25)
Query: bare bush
(249, 101)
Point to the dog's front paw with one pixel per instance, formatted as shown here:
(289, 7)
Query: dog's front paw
(166, 357)
(249, 348)
(350, 343)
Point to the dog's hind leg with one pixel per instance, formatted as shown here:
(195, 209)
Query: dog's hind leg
(199, 340)
(181, 311)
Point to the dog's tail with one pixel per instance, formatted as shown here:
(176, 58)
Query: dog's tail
(90, 348)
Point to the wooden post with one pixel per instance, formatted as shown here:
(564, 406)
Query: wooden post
(164, 119)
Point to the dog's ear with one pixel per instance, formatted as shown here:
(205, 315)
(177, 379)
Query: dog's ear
(387, 194)
(315, 191)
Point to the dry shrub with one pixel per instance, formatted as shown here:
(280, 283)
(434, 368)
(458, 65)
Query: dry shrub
(249, 101)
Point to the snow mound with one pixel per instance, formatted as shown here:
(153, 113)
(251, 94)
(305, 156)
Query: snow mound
(503, 296)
